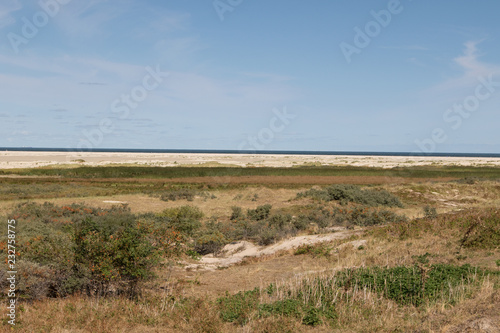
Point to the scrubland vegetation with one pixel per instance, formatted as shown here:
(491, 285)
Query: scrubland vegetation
(138, 172)
(85, 268)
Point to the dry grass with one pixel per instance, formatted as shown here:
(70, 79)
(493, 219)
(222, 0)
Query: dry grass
(183, 301)
(142, 203)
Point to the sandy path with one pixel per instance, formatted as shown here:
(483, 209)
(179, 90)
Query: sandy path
(235, 253)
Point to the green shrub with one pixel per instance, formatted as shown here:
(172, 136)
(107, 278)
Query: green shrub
(280, 220)
(345, 194)
(33, 280)
(287, 307)
(260, 213)
(210, 243)
(238, 308)
(301, 223)
(312, 317)
(125, 256)
(268, 235)
(236, 213)
(66, 249)
(185, 219)
(320, 216)
(409, 285)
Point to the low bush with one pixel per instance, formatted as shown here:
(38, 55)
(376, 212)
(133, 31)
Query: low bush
(268, 235)
(183, 193)
(260, 213)
(236, 213)
(238, 308)
(287, 307)
(349, 217)
(210, 243)
(124, 256)
(301, 223)
(345, 194)
(185, 219)
(280, 220)
(67, 249)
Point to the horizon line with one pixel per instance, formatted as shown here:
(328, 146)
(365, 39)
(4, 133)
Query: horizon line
(250, 152)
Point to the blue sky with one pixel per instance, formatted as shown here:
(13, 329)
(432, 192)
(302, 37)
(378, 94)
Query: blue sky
(275, 75)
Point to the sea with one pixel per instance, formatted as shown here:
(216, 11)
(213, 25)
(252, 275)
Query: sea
(258, 152)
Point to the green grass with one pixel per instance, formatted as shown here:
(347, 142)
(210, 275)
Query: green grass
(316, 300)
(182, 172)
(22, 189)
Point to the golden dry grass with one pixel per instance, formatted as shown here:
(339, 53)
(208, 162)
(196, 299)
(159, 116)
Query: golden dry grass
(160, 310)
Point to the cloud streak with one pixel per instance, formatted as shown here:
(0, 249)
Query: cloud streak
(471, 69)
(6, 9)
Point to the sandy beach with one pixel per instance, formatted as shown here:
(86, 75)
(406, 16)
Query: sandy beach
(12, 160)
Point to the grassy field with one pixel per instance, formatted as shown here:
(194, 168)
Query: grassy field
(106, 172)
(122, 249)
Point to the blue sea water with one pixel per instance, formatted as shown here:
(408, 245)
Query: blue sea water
(261, 152)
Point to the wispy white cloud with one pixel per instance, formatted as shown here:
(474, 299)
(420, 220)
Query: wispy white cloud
(469, 62)
(40, 82)
(80, 69)
(86, 19)
(471, 68)
(7, 7)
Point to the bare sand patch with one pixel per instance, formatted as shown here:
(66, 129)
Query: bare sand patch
(235, 253)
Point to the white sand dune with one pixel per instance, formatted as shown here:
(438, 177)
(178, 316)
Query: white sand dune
(11, 160)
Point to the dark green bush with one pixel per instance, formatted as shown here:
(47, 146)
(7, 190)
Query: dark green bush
(125, 255)
(268, 235)
(345, 194)
(260, 213)
(210, 243)
(280, 220)
(238, 308)
(312, 317)
(185, 219)
(236, 213)
(301, 223)
(287, 307)
(66, 249)
(320, 216)
(348, 217)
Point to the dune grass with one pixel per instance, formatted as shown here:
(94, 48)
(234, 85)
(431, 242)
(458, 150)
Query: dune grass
(183, 172)
(423, 274)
